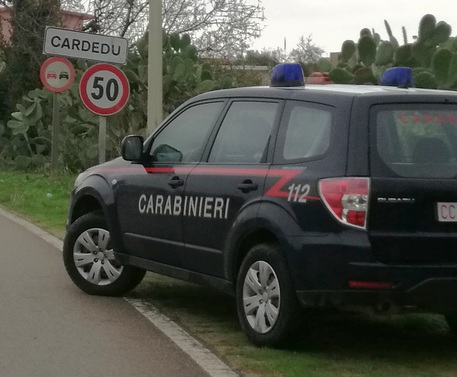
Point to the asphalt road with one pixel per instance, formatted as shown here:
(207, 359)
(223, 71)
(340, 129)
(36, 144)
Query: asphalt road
(48, 328)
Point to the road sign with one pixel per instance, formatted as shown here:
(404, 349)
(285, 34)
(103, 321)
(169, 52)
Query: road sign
(104, 89)
(57, 74)
(77, 44)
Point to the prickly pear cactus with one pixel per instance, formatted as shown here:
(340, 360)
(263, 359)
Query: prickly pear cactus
(452, 73)
(341, 76)
(384, 53)
(433, 56)
(392, 39)
(426, 27)
(440, 65)
(367, 49)
(431, 34)
(347, 50)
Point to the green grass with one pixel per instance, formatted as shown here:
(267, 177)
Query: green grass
(41, 198)
(337, 346)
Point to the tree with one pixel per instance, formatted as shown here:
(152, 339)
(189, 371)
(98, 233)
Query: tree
(73, 5)
(24, 53)
(219, 28)
(266, 57)
(123, 18)
(306, 52)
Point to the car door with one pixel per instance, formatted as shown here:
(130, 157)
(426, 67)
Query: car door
(150, 200)
(304, 154)
(412, 213)
(228, 183)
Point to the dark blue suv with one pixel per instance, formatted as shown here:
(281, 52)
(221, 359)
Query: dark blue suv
(291, 197)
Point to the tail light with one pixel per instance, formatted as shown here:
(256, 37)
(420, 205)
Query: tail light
(346, 199)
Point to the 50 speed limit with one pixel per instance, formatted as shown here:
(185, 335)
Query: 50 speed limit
(104, 89)
(111, 92)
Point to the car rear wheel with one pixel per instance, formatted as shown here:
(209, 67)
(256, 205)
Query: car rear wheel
(89, 259)
(267, 307)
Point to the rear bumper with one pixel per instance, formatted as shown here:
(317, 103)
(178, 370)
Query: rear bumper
(339, 270)
(413, 288)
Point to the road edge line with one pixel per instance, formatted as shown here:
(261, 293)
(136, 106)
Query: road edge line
(207, 360)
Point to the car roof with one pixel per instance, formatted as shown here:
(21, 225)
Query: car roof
(331, 90)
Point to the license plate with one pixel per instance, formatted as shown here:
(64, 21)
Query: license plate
(447, 212)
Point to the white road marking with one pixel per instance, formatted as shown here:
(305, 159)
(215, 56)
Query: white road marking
(208, 361)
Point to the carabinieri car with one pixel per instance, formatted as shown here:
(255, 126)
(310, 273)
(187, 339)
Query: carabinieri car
(291, 197)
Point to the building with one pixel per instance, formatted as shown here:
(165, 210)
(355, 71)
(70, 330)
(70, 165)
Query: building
(70, 20)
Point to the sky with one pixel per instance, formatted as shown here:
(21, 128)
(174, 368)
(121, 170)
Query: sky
(331, 22)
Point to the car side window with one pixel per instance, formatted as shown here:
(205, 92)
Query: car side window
(183, 139)
(244, 133)
(306, 132)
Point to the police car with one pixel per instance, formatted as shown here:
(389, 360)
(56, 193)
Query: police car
(291, 197)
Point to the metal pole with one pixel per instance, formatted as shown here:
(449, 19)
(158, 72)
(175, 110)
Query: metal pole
(102, 140)
(155, 96)
(55, 132)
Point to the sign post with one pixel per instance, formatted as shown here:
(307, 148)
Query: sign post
(155, 93)
(104, 89)
(101, 139)
(57, 75)
(55, 132)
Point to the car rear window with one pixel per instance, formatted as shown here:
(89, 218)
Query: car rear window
(416, 141)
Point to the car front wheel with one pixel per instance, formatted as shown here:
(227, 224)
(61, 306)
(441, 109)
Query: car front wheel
(267, 307)
(89, 259)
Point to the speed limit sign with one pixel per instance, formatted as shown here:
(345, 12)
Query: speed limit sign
(104, 89)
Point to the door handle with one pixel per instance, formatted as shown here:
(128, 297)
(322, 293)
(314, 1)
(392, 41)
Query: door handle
(247, 186)
(176, 182)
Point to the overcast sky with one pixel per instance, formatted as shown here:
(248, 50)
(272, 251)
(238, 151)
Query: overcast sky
(331, 22)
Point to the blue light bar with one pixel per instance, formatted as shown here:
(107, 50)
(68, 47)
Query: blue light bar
(287, 75)
(398, 76)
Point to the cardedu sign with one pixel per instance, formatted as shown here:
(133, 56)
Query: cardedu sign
(75, 44)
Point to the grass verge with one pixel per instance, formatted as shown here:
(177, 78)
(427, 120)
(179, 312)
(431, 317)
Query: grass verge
(41, 198)
(338, 346)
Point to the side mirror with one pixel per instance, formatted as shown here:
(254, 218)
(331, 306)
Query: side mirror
(132, 148)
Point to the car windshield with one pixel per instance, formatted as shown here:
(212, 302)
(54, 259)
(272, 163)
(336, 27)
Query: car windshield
(415, 141)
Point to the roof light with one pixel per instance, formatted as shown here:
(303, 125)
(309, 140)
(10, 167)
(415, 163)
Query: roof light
(398, 76)
(287, 75)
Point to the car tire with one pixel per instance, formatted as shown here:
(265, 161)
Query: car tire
(267, 306)
(89, 259)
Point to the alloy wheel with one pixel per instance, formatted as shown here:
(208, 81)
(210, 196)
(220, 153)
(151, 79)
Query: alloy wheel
(261, 297)
(94, 257)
